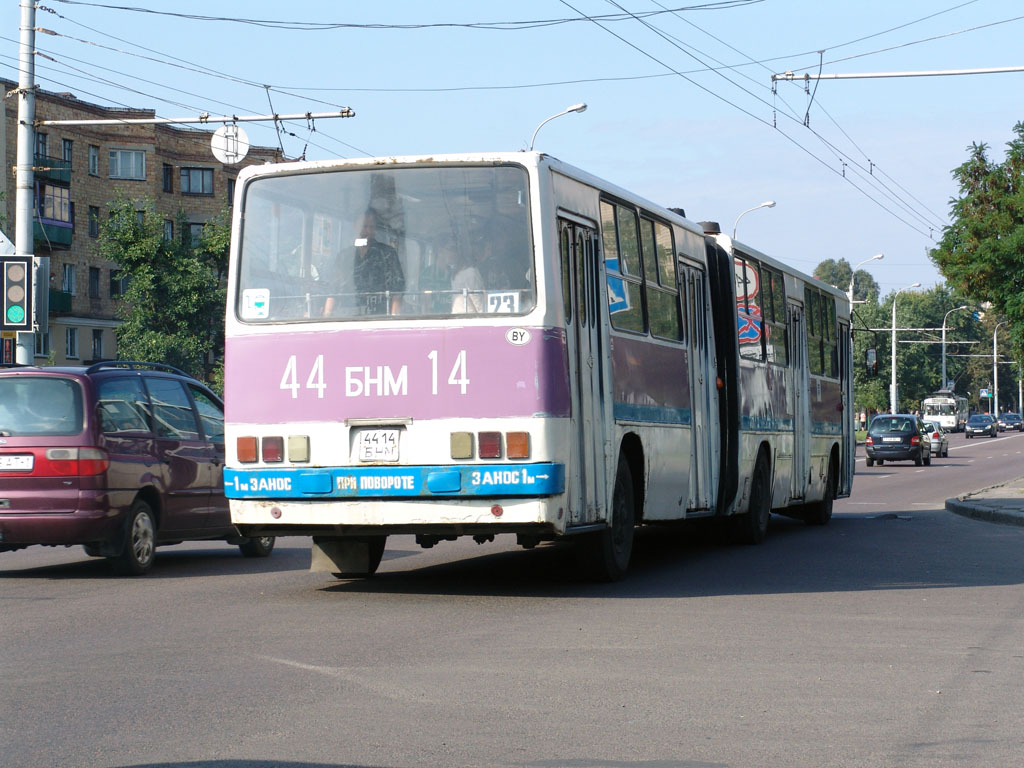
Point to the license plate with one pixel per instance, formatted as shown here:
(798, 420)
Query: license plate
(16, 463)
(892, 439)
(377, 445)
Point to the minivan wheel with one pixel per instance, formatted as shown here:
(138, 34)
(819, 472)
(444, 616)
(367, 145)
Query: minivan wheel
(258, 546)
(139, 550)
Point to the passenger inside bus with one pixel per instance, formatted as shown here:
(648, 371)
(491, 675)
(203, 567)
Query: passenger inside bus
(467, 284)
(376, 273)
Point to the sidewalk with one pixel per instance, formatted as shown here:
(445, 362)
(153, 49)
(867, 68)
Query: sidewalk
(998, 504)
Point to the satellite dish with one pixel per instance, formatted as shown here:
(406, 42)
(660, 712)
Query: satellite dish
(229, 144)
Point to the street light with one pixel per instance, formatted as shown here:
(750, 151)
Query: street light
(892, 385)
(942, 382)
(994, 402)
(765, 204)
(574, 108)
(853, 274)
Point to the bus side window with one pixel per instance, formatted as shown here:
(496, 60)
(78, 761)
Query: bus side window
(622, 264)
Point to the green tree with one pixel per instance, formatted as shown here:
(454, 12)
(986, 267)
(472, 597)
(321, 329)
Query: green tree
(838, 273)
(981, 253)
(173, 307)
(919, 352)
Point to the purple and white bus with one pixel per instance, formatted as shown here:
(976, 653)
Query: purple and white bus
(472, 345)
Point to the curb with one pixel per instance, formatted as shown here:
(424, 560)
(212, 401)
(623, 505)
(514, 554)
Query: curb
(986, 514)
(975, 508)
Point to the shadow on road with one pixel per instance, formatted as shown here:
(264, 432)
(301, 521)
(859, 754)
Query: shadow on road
(173, 562)
(921, 549)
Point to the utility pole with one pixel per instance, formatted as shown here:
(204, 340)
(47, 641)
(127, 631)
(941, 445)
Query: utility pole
(24, 177)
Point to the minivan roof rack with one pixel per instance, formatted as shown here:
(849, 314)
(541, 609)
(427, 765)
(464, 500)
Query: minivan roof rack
(134, 365)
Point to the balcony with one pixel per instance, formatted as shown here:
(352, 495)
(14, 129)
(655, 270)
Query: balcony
(49, 236)
(60, 301)
(52, 168)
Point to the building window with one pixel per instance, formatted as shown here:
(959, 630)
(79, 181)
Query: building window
(42, 144)
(94, 221)
(231, 191)
(197, 181)
(127, 164)
(42, 344)
(168, 229)
(94, 282)
(71, 343)
(97, 343)
(194, 234)
(118, 284)
(94, 160)
(67, 281)
(168, 178)
(55, 203)
(65, 149)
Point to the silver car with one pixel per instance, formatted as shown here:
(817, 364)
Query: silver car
(939, 439)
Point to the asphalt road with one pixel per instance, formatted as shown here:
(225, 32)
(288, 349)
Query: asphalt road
(892, 637)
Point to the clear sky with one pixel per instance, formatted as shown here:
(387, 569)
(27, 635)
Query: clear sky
(680, 104)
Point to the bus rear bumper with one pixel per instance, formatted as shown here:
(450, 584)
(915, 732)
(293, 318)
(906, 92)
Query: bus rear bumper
(450, 517)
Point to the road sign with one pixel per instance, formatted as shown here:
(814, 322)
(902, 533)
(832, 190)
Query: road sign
(229, 144)
(985, 394)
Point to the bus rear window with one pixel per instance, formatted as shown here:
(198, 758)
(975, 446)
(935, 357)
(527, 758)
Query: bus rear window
(422, 242)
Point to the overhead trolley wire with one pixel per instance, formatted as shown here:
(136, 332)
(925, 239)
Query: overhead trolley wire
(312, 26)
(199, 69)
(747, 112)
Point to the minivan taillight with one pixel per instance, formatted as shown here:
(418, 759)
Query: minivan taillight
(71, 462)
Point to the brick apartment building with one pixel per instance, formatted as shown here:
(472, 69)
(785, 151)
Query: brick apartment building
(80, 171)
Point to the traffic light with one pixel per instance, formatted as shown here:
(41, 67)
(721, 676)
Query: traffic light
(17, 287)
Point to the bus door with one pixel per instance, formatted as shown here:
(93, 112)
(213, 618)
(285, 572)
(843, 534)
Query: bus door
(801, 403)
(848, 446)
(581, 284)
(703, 389)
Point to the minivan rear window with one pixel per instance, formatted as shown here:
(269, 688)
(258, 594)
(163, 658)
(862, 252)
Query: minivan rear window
(37, 406)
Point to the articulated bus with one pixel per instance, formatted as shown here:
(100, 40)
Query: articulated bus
(474, 345)
(947, 408)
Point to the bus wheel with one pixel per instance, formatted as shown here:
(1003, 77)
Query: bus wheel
(752, 526)
(820, 512)
(604, 556)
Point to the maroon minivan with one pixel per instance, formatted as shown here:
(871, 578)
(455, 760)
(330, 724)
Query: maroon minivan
(118, 456)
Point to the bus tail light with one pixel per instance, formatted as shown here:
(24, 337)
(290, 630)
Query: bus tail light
(298, 448)
(490, 444)
(462, 445)
(272, 448)
(247, 450)
(517, 445)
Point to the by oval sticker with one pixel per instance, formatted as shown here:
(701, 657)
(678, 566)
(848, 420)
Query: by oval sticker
(517, 336)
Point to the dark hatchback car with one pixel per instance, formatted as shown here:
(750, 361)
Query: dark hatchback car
(898, 437)
(980, 424)
(119, 456)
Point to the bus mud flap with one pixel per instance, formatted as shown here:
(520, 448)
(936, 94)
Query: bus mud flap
(345, 555)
